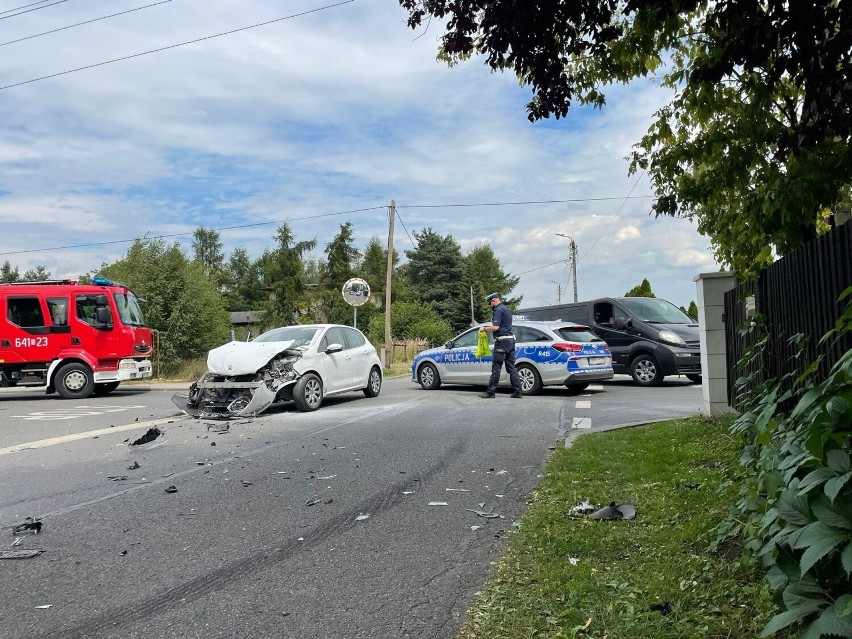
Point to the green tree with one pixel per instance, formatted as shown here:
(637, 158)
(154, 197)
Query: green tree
(9, 274)
(341, 258)
(641, 290)
(284, 272)
(207, 251)
(435, 270)
(37, 274)
(692, 311)
(409, 321)
(483, 274)
(373, 268)
(755, 144)
(242, 282)
(179, 300)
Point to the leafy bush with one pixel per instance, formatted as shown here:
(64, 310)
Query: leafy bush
(411, 320)
(796, 509)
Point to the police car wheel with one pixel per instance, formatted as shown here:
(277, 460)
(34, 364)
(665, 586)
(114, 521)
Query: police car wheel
(308, 393)
(75, 381)
(645, 371)
(374, 383)
(428, 377)
(577, 388)
(695, 379)
(530, 380)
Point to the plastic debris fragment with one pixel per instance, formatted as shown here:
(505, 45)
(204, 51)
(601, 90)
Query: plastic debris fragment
(117, 478)
(133, 466)
(613, 512)
(44, 607)
(149, 436)
(30, 524)
(312, 502)
(483, 513)
(362, 517)
(438, 503)
(20, 553)
(171, 489)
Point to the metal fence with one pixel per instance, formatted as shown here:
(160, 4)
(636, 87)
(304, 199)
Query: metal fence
(798, 294)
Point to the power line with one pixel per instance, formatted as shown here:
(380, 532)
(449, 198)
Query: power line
(168, 235)
(399, 217)
(71, 26)
(538, 268)
(175, 46)
(32, 4)
(585, 199)
(29, 10)
(616, 214)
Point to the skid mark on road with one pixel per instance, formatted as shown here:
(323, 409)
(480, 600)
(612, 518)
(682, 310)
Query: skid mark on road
(109, 622)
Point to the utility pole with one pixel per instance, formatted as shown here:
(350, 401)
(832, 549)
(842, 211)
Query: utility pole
(472, 316)
(572, 255)
(388, 344)
(558, 291)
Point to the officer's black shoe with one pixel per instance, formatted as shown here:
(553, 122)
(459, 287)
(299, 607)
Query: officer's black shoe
(516, 395)
(487, 395)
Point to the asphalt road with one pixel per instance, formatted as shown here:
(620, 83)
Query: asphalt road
(358, 520)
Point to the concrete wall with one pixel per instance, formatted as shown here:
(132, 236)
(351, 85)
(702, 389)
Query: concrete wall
(711, 288)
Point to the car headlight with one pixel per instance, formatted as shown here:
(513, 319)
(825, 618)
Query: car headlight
(672, 337)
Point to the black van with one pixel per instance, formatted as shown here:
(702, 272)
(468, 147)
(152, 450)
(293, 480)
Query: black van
(649, 337)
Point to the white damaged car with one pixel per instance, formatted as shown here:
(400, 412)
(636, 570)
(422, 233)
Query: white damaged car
(302, 363)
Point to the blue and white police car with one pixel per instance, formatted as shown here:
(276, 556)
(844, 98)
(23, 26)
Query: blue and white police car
(546, 354)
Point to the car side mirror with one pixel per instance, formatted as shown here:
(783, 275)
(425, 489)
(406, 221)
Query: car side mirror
(102, 315)
(334, 348)
(449, 344)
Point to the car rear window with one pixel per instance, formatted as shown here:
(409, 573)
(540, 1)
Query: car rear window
(577, 334)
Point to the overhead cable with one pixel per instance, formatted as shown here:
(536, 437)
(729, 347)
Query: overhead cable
(175, 46)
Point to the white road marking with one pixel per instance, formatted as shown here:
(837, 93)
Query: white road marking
(595, 387)
(72, 413)
(583, 404)
(53, 441)
(581, 422)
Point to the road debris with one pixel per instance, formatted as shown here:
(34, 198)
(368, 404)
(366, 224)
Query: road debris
(117, 478)
(20, 553)
(17, 542)
(483, 513)
(44, 607)
(133, 466)
(583, 508)
(150, 436)
(362, 517)
(664, 608)
(312, 502)
(30, 524)
(219, 427)
(171, 489)
(614, 513)
(438, 503)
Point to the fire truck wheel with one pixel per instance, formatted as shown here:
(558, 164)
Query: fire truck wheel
(75, 381)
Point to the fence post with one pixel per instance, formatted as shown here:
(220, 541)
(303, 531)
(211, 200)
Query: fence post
(711, 288)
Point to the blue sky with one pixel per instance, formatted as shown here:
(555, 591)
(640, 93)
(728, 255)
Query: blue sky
(301, 120)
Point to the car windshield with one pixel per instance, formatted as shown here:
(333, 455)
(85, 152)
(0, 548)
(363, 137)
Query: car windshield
(301, 335)
(577, 334)
(656, 311)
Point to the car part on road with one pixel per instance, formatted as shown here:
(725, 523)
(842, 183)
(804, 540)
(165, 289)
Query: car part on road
(21, 553)
(149, 436)
(613, 512)
(31, 524)
(171, 489)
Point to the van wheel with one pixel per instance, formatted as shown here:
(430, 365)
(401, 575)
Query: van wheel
(645, 371)
(74, 381)
(530, 380)
(308, 393)
(106, 389)
(428, 377)
(695, 379)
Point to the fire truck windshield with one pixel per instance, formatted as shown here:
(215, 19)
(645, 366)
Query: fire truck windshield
(128, 309)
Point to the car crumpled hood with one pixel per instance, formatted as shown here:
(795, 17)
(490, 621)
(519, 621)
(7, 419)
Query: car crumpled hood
(243, 358)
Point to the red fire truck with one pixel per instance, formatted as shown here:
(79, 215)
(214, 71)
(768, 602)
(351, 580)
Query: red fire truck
(74, 339)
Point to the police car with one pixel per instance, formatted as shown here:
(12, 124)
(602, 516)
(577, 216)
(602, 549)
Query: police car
(546, 354)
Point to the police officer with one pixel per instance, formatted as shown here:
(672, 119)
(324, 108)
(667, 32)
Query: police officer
(504, 347)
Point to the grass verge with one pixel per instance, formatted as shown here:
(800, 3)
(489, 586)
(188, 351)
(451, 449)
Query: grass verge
(565, 577)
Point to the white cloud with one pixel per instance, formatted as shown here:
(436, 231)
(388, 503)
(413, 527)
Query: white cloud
(338, 110)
